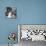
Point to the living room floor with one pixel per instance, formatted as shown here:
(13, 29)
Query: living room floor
(30, 43)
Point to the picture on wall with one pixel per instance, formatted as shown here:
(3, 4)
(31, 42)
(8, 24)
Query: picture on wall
(32, 32)
(11, 13)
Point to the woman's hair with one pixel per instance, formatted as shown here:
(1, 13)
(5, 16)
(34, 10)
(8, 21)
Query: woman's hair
(8, 9)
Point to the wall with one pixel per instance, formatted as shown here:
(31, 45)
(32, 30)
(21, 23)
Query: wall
(28, 12)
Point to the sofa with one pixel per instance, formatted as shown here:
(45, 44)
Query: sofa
(26, 34)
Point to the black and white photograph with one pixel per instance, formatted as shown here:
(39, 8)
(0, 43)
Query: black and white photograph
(11, 13)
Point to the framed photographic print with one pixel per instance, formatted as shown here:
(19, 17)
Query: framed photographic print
(10, 13)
